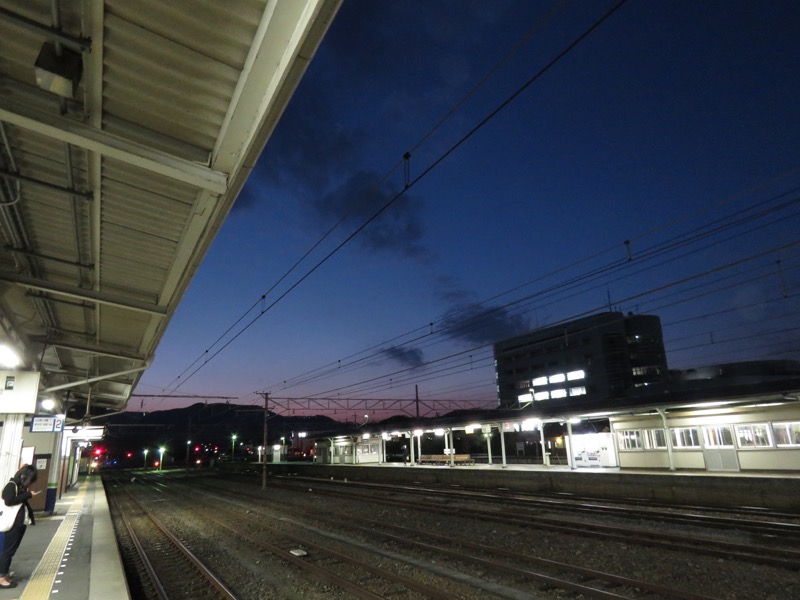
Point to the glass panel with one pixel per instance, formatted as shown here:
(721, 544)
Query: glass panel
(685, 437)
(787, 434)
(718, 437)
(655, 438)
(629, 439)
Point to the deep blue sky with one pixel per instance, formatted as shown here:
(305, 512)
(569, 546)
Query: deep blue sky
(674, 125)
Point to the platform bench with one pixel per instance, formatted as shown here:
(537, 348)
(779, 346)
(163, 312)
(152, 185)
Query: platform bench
(444, 459)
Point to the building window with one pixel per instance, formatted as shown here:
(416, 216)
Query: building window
(787, 434)
(629, 439)
(574, 375)
(541, 396)
(720, 436)
(655, 439)
(685, 437)
(577, 391)
(753, 436)
(539, 381)
(559, 393)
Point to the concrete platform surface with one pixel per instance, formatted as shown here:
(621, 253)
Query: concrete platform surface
(72, 554)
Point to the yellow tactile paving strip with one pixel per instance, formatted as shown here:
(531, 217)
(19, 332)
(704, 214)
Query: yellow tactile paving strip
(49, 567)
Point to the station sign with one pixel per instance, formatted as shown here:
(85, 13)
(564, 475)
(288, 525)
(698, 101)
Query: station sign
(47, 423)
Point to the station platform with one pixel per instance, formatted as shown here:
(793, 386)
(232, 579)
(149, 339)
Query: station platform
(71, 554)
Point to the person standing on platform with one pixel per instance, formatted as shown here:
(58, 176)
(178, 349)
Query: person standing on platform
(16, 493)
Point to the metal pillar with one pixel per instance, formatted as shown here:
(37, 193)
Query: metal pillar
(452, 448)
(544, 447)
(663, 415)
(570, 455)
(503, 444)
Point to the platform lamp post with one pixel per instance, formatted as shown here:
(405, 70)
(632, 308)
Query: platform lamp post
(161, 458)
(146, 450)
(233, 446)
(188, 443)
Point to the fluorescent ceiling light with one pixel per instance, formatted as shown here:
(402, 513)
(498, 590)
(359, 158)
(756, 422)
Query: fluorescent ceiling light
(8, 357)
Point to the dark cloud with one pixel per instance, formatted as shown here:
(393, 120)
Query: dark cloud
(308, 151)
(474, 322)
(398, 229)
(410, 357)
(482, 325)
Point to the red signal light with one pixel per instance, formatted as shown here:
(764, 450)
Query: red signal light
(98, 451)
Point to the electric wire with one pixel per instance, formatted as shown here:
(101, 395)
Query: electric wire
(396, 373)
(495, 68)
(434, 164)
(704, 232)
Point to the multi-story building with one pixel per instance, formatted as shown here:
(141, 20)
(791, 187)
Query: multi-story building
(582, 363)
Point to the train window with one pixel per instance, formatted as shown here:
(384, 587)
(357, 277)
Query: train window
(655, 438)
(753, 436)
(719, 436)
(629, 439)
(787, 434)
(685, 437)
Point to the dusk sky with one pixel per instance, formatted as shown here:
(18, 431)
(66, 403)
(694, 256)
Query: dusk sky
(541, 136)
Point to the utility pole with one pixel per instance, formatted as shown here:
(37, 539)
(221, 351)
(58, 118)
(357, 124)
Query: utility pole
(264, 457)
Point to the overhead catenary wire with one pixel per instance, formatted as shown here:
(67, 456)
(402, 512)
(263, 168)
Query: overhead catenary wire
(645, 255)
(397, 372)
(404, 161)
(434, 164)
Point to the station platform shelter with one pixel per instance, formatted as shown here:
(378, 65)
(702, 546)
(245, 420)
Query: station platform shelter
(71, 554)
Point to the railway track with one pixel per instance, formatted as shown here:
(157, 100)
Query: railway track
(160, 566)
(333, 544)
(349, 567)
(528, 516)
(548, 574)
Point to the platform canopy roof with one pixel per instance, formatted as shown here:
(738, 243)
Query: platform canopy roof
(127, 129)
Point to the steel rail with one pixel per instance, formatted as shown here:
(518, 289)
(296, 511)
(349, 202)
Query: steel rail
(373, 528)
(218, 586)
(141, 554)
(781, 557)
(345, 584)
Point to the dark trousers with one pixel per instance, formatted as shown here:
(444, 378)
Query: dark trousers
(13, 537)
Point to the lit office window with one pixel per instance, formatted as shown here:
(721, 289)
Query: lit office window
(559, 393)
(685, 437)
(557, 378)
(655, 439)
(719, 436)
(629, 439)
(575, 375)
(787, 434)
(577, 391)
(539, 381)
(753, 436)
(541, 396)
